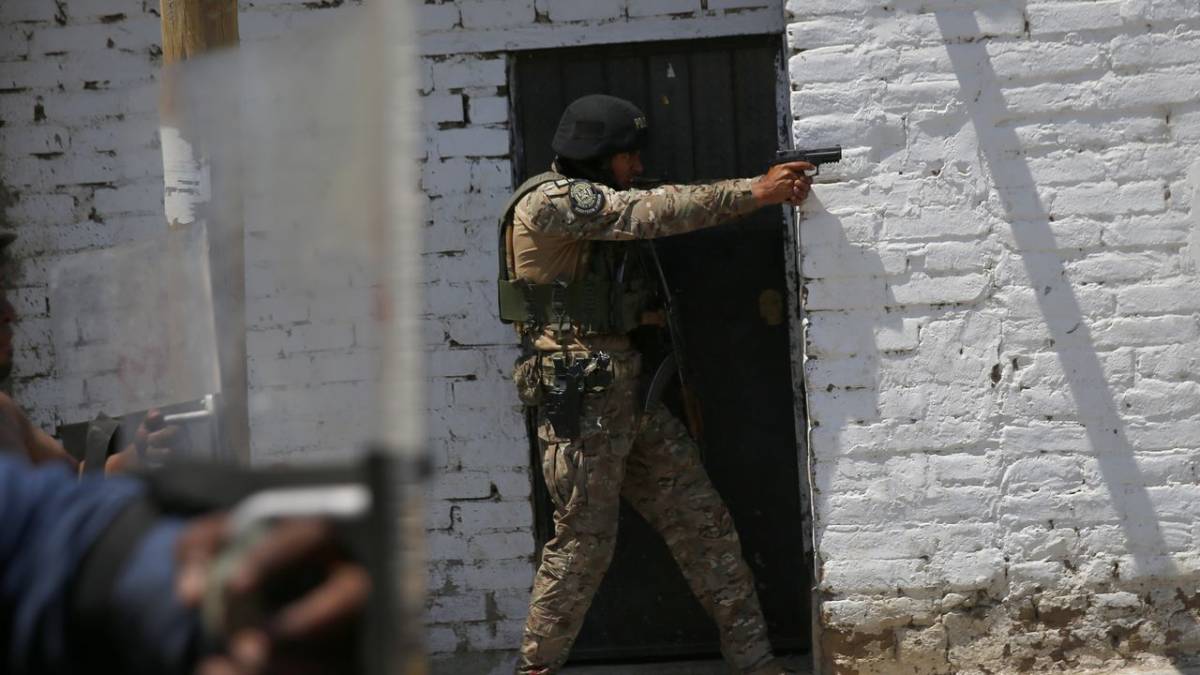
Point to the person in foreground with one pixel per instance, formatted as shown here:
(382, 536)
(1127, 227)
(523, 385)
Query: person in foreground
(94, 580)
(570, 281)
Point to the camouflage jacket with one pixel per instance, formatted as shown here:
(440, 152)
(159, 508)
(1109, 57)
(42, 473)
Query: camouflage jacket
(553, 225)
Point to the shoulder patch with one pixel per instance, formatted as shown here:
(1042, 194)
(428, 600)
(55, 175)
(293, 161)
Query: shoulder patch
(586, 199)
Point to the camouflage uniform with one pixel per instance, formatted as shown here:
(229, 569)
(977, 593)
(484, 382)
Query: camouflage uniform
(647, 458)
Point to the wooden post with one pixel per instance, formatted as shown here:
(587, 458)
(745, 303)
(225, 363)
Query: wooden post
(191, 28)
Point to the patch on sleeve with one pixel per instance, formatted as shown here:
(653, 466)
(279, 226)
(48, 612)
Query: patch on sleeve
(586, 198)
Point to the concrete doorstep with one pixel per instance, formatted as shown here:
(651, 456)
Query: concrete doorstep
(800, 664)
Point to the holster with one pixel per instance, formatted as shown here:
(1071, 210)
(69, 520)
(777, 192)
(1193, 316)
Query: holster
(562, 404)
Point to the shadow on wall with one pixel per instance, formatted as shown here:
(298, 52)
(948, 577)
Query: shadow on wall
(1070, 337)
(843, 286)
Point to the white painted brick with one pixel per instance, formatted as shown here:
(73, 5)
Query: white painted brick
(490, 14)
(1154, 49)
(472, 142)
(1033, 60)
(501, 635)
(446, 608)
(1109, 198)
(491, 175)
(925, 290)
(501, 545)
(844, 294)
(462, 72)
(1153, 88)
(738, 4)
(563, 11)
(442, 16)
(488, 109)
(1145, 332)
(1062, 17)
(1178, 297)
(1158, 10)
(12, 11)
(14, 42)
(640, 8)
(446, 108)
(1117, 267)
(1175, 362)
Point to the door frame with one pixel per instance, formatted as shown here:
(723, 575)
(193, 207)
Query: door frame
(796, 330)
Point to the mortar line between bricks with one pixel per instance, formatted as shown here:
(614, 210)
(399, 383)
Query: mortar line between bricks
(1098, 411)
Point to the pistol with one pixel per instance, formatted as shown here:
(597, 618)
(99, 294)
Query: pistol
(815, 156)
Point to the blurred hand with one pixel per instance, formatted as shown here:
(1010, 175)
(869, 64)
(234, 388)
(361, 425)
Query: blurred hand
(272, 643)
(152, 442)
(784, 183)
(13, 423)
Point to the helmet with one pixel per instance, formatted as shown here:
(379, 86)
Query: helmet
(596, 126)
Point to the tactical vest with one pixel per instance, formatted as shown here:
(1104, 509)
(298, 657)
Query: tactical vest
(608, 298)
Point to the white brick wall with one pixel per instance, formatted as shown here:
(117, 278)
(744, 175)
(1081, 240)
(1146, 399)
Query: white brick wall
(82, 170)
(1001, 328)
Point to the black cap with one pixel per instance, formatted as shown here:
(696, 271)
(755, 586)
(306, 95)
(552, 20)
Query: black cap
(597, 126)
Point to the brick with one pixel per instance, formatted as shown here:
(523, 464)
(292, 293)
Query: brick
(1146, 331)
(925, 290)
(502, 545)
(463, 72)
(1180, 297)
(738, 4)
(492, 175)
(446, 608)
(857, 372)
(1109, 198)
(13, 11)
(1036, 60)
(1158, 10)
(444, 16)
(489, 14)
(1166, 401)
(564, 11)
(488, 109)
(1152, 88)
(472, 142)
(1058, 17)
(844, 294)
(1118, 267)
(641, 8)
(1154, 49)
(446, 108)
(1173, 362)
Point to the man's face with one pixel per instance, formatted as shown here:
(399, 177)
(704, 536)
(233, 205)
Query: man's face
(7, 316)
(626, 166)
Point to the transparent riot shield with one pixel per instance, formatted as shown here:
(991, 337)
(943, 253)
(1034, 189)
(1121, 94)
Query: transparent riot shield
(274, 316)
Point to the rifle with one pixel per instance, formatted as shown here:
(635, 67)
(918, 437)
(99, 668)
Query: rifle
(675, 364)
(814, 156)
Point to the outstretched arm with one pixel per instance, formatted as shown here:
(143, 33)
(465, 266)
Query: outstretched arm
(586, 210)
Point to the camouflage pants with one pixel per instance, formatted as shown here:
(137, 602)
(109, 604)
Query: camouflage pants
(651, 462)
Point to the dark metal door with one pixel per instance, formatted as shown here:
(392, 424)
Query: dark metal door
(713, 114)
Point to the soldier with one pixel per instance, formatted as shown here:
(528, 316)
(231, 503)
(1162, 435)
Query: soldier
(569, 280)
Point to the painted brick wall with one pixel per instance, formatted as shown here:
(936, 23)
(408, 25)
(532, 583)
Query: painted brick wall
(1002, 330)
(82, 170)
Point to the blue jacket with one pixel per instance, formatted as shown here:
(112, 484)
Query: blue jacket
(48, 522)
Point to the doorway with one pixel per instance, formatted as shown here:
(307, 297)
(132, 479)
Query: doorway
(714, 113)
